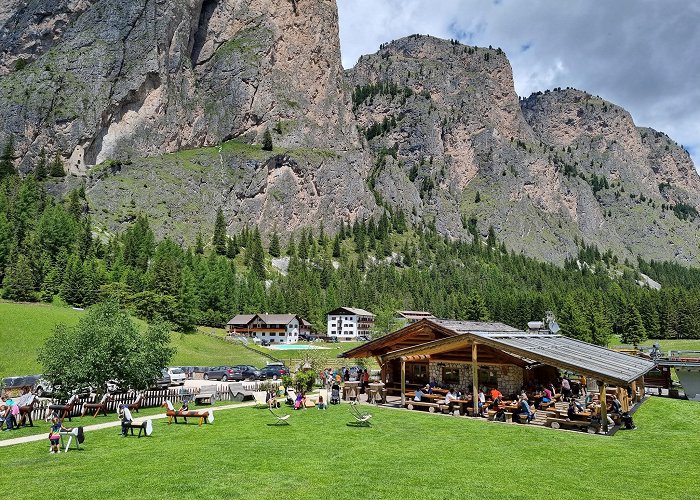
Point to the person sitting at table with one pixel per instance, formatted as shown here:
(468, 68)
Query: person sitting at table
(495, 394)
(449, 397)
(418, 396)
(572, 410)
(615, 405)
(524, 409)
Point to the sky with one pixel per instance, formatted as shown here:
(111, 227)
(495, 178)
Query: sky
(643, 55)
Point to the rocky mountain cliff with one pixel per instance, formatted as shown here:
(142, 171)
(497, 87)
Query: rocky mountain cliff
(156, 105)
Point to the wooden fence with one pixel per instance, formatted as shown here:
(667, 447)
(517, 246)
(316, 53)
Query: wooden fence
(227, 391)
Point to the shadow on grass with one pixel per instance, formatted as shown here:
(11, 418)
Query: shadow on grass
(359, 424)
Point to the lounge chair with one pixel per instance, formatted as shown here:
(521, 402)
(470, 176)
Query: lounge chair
(291, 396)
(64, 411)
(260, 399)
(136, 404)
(98, 407)
(362, 418)
(172, 414)
(281, 419)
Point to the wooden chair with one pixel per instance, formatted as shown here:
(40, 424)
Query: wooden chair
(64, 411)
(98, 407)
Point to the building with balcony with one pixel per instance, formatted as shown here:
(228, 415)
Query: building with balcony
(349, 323)
(273, 328)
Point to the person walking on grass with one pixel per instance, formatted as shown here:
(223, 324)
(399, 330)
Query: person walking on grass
(55, 435)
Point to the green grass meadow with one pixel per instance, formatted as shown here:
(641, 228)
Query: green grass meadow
(403, 455)
(25, 327)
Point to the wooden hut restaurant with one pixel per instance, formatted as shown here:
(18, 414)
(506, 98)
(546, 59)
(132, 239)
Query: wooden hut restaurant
(489, 369)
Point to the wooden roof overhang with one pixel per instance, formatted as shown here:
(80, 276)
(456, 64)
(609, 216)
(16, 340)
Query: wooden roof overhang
(456, 349)
(415, 334)
(561, 352)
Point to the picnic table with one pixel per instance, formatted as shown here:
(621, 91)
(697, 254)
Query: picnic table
(376, 393)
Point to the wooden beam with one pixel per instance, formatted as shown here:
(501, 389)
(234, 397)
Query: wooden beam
(603, 406)
(475, 381)
(403, 383)
(641, 388)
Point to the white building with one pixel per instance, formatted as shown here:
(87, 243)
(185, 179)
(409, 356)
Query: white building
(274, 328)
(348, 323)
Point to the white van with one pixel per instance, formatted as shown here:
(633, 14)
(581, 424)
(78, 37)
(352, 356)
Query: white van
(177, 376)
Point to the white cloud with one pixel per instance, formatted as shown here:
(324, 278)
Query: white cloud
(640, 54)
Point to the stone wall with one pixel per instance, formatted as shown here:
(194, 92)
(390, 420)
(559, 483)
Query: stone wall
(510, 377)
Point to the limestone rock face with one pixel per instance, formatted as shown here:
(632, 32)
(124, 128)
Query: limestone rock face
(159, 106)
(111, 79)
(454, 145)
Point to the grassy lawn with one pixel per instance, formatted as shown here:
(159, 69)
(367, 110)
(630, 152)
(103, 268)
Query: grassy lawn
(41, 427)
(25, 327)
(403, 455)
(665, 344)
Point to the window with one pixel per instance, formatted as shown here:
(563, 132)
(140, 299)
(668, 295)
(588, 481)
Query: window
(450, 376)
(417, 373)
(488, 377)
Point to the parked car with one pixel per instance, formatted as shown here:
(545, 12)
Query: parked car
(177, 376)
(164, 381)
(248, 371)
(223, 373)
(273, 371)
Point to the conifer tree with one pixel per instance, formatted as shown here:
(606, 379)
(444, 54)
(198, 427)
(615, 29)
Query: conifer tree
(18, 283)
(633, 331)
(274, 245)
(231, 248)
(199, 245)
(475, 308)
(57, 169)
(291, 247)
(303, 246)
(258, 256)
(42, 166)
(7, 167)
(336, 246)
(267, 140)
(220, 237)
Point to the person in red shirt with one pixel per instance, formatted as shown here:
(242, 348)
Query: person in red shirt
(495, 394)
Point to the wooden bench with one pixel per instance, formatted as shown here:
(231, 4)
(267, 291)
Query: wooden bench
(432, 407)
(556, 423)
(206, 394)
(508, 415)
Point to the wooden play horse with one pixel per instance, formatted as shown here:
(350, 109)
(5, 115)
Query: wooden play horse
(101, 406)
(172, 413)
(66, 410)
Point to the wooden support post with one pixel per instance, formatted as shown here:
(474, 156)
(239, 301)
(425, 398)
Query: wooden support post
(641, 388)
(475, 381)
(633, 386)
(403, 382)
(603, 406)
(382, 372)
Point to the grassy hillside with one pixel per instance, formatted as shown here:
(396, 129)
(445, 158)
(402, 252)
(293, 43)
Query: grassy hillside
(25, 327)
(402, 455)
